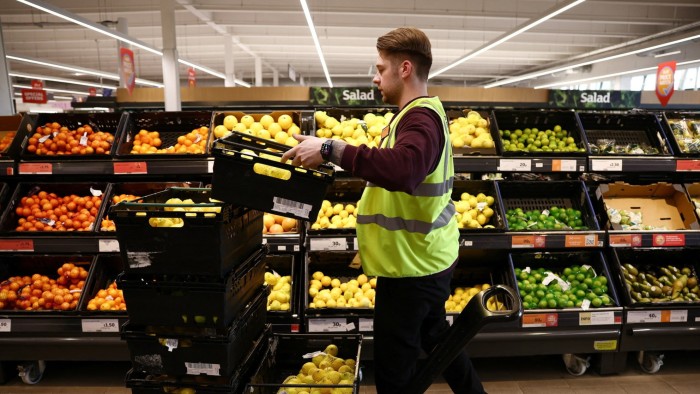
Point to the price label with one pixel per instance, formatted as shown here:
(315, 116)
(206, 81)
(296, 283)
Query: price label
(35, 168)
(522, 165)
(625, 240)
(668, 240)
(687, 165)
(527, 241)
(330, 325)
(366, 324)
(541, 320)
(108, 245)
(130, 167)
(355, 245)
(210, 166)
(328, 244)
(606, 165)
(466, 243)
(203, 368)
(16, 245)
(667, 316)
(100, 325)
(5, 325)
(581, 241)
(596, 318)
(563, 165)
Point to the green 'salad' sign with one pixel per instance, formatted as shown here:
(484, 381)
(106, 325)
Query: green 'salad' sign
(591, 99)
(346, 97)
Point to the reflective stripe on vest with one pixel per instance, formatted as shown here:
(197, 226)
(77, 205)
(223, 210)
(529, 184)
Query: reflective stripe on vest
(429, 189)
(414, 226)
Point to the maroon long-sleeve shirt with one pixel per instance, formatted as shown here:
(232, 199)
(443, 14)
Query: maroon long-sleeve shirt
(419, 142)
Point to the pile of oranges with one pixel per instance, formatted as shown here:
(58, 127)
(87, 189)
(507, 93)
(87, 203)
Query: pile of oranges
(194, 142)
(53, 139)
(6, 140)
(276, 224)
(48, 212)
(110, 299)
(107, 223)
(38, 292)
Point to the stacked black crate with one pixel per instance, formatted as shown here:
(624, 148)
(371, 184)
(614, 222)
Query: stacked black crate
(193, 281)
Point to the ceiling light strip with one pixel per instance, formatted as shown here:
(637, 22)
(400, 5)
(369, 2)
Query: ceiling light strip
(551, 13)
(55, 90)
(312, 28)
(63, 80)
(585, 63)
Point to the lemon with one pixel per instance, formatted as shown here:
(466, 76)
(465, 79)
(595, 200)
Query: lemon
(247, 120)
(285, 121)
(256, 126)
(320, 117)
(230, 121)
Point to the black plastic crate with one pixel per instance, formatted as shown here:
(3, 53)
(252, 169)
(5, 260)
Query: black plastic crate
(488, 188)
(683, 132)
(107, 122)
(145, 383)
(265, 184)
(557, 262)
(283, 265)
(513, 120)
(624, 134)
(469, 275)
(48, 265)
(192, 301)
(104, 272)
(342, 191)
(169, 125)
(185, 354)
(284, 359)
(653, 263)
(208, 243)
(10, 219)
(539, 196)
(137, 189)
(454, 114)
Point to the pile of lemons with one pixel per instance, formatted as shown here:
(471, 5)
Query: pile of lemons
(330, 292)
(178, 222)
(280, 130)
(280, 296)
(460, 297)
(474, 211)
(325, 368)
(332, 216)
(354, 131)
(470, 131)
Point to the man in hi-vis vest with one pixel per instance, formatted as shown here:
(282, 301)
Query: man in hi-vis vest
(406, 226)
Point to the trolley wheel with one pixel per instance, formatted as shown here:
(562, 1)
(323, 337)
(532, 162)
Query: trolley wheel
(576, 365)
(650, 362)
(31, 372)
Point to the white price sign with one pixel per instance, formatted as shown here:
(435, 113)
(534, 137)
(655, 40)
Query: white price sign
(5, 325)
(366, 324)
(515, 165)
(100, 325)
(567, 165)
(330, 325)
(667, 316)
(210, 166)
(596, 318)
(329, 244)
(606, 165)
(108, 245)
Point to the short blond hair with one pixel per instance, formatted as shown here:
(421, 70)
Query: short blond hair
(408, 43)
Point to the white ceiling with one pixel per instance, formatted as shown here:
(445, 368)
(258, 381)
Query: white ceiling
(276, 31)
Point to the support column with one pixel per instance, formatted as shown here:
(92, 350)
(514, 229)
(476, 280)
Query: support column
(275, 78)
(258, 71)
(228, 62)
(171, 75)
(7, 103)
(122, 27)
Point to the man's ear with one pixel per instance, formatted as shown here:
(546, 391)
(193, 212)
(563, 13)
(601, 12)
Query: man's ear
(406, 69)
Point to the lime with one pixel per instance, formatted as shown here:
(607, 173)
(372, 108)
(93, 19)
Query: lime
(542, 304)
(552, 303)
(596, 302)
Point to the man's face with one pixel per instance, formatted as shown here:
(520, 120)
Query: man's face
(388, 80)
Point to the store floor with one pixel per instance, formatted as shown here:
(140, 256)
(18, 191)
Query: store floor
(525, 375)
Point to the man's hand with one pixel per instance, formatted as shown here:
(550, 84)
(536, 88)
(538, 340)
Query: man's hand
(307, 154)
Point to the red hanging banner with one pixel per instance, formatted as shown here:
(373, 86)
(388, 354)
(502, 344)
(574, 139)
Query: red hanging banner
(664, 81)
(191, 77)
(92, 92)
(126, 57)
(37, 84)
(36, 96)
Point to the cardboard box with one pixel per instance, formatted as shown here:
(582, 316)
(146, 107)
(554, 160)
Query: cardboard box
(661, 204)
(8, 125)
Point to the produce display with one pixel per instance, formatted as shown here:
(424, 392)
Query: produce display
(459, 298)
(554, 218)
(179, 222)
(280, 296)
(354, 131)
(471, 131)
(332, 293)
(148, 142)
(325, 368)
(107, 224)
(280, 130)
(608, 146)
(573, 287)
(109, 299)
(39, 292)
(6, 139)
(333, 216)
(535, 140)
(276, 224)
(54, 139)
(687, 134)
(629, 220)
(49, 212)
(474, 211)
(661, 283)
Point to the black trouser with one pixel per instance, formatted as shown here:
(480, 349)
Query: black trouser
(409, 315)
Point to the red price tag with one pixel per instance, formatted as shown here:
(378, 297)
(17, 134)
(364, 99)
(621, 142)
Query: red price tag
(668, 240)
(16, 245)
(687, 165)
(130, 167)
(528, 241)
(541, 320)
(36, 168)
(625, 240)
